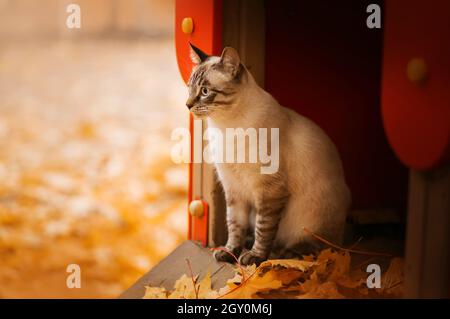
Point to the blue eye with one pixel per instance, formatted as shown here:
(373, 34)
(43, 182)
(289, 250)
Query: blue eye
(204, 91)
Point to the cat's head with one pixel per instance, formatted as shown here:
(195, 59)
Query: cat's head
(215, 81)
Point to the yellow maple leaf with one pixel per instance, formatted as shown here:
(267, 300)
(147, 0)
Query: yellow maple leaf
(327, 290)
(302, 265)
(237, 279)
(392, 279)
(312, 282)
(155, 293)
(253, 285)
(325, 255)
(183, 288)
(204, 288)
(288, 276)
(340, 266)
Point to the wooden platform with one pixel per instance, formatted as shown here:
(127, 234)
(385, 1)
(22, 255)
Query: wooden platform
(174, 266)
(378, 238)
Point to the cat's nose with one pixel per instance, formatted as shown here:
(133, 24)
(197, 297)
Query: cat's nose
(189, 104)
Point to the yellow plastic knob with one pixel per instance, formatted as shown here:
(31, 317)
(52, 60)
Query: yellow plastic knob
(196, 208)
(187, 25)
(417, 71)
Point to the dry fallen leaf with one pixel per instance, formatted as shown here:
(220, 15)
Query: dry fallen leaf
(184, 288)
(392, 279)
(327, 290)
(155, 293)
(253, 285)
(204, 288)
(289, 263)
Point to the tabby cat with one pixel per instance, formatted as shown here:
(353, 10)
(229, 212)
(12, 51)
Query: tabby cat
(307, 192)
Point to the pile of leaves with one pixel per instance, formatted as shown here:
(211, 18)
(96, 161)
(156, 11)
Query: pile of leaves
(328, 275)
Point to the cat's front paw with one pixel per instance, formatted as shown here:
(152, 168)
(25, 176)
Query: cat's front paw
(226, 254)
(250, 258)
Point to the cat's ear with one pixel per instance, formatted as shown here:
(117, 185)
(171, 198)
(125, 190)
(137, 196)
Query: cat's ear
(197, 55)
(230, 60)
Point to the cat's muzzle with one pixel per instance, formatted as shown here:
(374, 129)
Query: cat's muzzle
(200, 111)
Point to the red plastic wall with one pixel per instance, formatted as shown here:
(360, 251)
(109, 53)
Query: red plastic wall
(323, 62)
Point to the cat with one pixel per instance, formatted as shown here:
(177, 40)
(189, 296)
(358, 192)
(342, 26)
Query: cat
(307, 195)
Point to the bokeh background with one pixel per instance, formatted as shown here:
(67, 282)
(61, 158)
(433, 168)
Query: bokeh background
(85, 121)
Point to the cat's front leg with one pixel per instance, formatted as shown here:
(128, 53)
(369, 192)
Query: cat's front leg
(237, 224)
(268, 216)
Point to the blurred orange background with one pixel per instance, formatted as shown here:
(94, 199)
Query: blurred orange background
(85, 121)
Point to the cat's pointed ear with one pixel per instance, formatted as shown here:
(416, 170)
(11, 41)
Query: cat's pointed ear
(197, 55)
(230, 60)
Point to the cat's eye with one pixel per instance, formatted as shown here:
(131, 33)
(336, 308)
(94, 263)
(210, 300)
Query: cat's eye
(204, 91)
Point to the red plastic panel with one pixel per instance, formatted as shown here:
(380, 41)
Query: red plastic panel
(417, 117)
